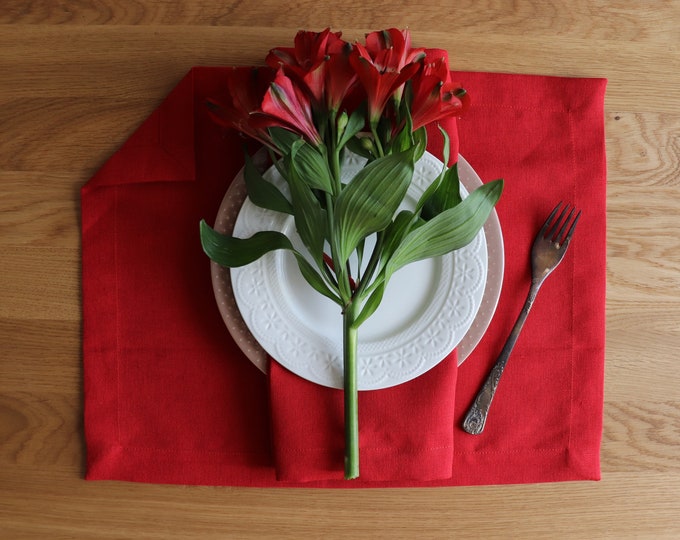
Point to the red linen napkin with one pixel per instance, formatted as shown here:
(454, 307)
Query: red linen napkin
(169, 397)
(405, 432)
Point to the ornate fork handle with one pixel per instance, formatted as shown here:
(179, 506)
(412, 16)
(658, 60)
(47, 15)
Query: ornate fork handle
(476, 417)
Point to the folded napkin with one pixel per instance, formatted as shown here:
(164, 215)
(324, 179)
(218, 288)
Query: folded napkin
(169, 397)
(405, 432)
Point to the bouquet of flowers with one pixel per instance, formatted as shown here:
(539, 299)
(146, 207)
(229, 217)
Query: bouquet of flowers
(313, 103)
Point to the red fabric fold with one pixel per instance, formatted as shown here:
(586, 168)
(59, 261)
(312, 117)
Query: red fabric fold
(405, 432)
(169, 397)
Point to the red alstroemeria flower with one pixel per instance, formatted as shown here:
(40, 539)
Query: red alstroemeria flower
(436, 62)
(379, 84)
(383, 65)
(436, 100)
(286, 105)
(434, 95)
(307, 61)
(391, 48)
(245, 88)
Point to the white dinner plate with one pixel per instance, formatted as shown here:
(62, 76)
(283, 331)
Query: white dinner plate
(430, 307)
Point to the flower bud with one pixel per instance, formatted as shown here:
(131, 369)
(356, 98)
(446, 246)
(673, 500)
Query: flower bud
(342, 123)
(367, 144)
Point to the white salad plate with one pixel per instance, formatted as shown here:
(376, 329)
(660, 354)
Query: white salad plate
(429, 308)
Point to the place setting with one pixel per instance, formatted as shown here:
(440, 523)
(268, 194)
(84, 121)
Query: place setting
(374, 230)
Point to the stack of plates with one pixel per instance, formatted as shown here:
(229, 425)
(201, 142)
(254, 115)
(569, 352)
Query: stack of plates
(430, 307)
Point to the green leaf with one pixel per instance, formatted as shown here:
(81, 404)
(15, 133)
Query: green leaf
(361, 249)
(446, 151)
(450, 230)
(404, 139)
(263, 193)
(283, 139)
(420, 139)
(355, 124)
(446, 195)
(436, 183)
(233, 252)
(384, 132)
(313, 168)
(236, 252)
(395, 233)
(311, 164)
(309, 217)
(314, 279)
(370, 200)
(371, 305)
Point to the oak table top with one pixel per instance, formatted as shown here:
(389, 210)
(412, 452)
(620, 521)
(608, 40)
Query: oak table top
(78, 77)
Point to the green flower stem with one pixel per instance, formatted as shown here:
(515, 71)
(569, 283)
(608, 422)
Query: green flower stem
(349, 330)
(335, 154)
(376, 139)
(351, 394)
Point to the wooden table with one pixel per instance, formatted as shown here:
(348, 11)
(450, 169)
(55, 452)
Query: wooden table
(78, 77)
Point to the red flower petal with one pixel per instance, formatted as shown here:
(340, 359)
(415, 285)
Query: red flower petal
(244, 89)
(379, 84)
(286, 103)
(306, 62)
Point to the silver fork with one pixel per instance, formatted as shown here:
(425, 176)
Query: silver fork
(547, 252)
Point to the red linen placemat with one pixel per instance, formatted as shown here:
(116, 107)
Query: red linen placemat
(169, 398)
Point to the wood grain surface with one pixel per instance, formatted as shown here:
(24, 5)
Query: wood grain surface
(78, 76)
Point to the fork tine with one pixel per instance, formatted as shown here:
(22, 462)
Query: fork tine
(560, 233)
(551, 233)
(542, 232)
(567, 239)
